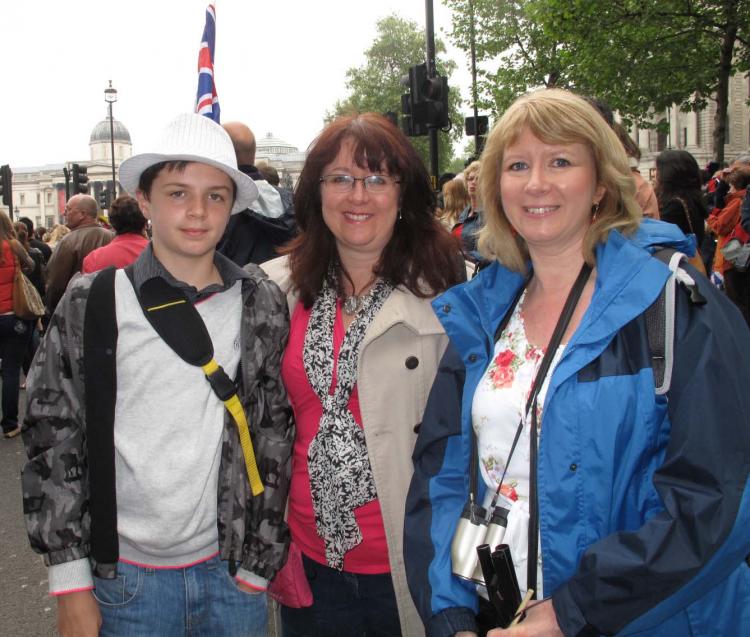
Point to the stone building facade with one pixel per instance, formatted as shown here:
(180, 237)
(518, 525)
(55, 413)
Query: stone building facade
(693, 132)
(39, 191)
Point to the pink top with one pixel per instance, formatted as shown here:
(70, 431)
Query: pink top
(123, 250)
(371, 555)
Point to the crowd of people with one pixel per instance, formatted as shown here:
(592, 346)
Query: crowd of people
(331, 397)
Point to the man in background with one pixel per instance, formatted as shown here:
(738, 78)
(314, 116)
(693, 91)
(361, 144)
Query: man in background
(86, 235)
(254, 234)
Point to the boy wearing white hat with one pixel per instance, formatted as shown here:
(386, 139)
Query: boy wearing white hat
(139, 490)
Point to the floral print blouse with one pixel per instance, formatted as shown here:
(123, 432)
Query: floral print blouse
(497, 408)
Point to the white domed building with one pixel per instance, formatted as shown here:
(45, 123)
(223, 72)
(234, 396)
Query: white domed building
(283, 156)
(39, 191)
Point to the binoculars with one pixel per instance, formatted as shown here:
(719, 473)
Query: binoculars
(474, 559)
(474, 529)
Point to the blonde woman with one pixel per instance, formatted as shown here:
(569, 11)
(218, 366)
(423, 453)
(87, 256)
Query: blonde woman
(627, 509)
(455, 199)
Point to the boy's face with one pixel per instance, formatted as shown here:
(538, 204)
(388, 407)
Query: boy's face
(189, 211)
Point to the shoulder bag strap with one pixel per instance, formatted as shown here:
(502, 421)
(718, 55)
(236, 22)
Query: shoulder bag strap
(180, 326)
(100, 374)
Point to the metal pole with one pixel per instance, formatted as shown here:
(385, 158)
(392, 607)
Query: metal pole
(112, 144)
(477, 149)
(431, 72)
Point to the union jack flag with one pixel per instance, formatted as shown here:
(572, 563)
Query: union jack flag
(207, 102)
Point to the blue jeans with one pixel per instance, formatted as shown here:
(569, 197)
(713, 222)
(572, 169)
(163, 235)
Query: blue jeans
(14, 337)
(344, 605)
(198, 601)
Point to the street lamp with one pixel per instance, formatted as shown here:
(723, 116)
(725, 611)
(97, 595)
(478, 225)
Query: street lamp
(18, 212)
(110, 96)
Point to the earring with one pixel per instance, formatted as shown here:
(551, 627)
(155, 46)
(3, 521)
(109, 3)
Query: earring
(400, 216)
(594, 210)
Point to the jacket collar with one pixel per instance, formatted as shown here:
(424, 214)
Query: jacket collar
(628, 281)
(403, 307)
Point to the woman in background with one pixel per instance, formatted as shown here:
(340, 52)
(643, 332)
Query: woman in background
(14, 332)
(678, 188)
(455, 200)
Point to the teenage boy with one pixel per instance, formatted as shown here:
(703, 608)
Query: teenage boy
(182, 546)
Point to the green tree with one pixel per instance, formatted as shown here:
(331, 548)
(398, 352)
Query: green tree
(645, 55)
(514, 53)
(641, 56)
(376, 86)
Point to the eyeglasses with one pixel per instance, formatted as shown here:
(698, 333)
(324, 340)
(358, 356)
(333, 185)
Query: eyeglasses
(374, 184)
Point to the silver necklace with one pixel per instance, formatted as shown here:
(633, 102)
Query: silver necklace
(353, 302)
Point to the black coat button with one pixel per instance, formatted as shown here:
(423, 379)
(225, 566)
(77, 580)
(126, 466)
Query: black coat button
(446, 308)
(417, 427)
(412, 362)
(473, 358)
(574, 467)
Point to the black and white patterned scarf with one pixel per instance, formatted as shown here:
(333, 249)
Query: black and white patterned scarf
(340, 474)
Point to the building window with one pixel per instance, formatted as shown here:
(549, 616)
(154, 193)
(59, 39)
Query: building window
(50, 222)
(37, 199)
(49, 197)
(684, 137)
(698, 129)
(23, 198)
(661, 137)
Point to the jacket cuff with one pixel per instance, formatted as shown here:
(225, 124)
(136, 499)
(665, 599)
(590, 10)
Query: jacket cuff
(70, 577)
(570, 619)
(251, 579)
(450, 621)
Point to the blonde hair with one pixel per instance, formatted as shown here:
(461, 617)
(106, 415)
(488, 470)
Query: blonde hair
(556, 116)
(472, 168)
(455, 198)
(57, 233)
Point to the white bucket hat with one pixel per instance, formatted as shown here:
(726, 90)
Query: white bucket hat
(192, 137)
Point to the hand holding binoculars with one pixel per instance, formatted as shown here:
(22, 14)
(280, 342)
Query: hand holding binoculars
(474, 559)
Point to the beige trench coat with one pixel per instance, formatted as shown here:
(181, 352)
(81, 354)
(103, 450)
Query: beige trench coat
(397, 364)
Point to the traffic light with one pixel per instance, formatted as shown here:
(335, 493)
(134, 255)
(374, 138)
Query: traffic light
(425, 106)
(476, 128)
(435, 94)
(104, 199)
(80, 179)
(6, 185)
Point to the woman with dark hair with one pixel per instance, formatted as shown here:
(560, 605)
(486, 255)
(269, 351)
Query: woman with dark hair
(363, 350)
(14, 332)
(678, 188)
(130, 239)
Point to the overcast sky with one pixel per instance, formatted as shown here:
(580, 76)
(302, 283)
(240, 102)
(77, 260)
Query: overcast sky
(280, 64)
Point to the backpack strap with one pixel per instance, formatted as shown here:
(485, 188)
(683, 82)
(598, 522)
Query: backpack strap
(179, 325)
(100, 374)
(660, 317)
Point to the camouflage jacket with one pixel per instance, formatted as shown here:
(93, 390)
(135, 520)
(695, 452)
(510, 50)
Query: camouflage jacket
(252, 530)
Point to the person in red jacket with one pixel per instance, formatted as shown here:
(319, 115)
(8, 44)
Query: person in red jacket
(130, 237)
(722, 222)
(14, 332)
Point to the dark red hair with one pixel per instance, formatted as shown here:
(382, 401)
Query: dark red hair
(421, 255)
